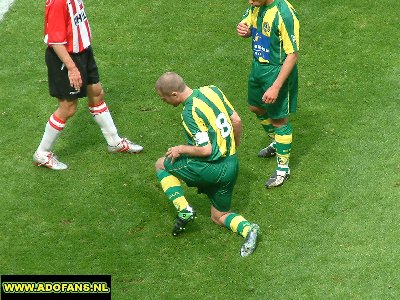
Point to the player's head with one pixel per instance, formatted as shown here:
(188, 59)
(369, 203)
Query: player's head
(169, 87)
(258, 2)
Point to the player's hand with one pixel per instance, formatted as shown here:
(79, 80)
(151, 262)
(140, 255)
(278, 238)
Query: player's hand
(173, 153)
(243, 30)
(270, 95)
(75, 79)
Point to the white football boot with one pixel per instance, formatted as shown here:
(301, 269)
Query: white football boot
(250, 242)
(125, 146)
(48, 160)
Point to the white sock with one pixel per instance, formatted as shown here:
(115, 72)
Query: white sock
(283, 169)
(103, 118)
(52, 131)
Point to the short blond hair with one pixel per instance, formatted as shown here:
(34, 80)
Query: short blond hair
(170, 82)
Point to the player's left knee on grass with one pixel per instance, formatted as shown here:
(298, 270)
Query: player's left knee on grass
(160, 164)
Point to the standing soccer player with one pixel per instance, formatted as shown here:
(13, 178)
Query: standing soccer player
(73, 74)
(209, 161)
(272, 85)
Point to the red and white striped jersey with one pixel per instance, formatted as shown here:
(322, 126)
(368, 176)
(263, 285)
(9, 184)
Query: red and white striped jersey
(65, 22)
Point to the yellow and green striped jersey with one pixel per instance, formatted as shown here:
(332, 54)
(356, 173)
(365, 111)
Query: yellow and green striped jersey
(206, 118)
(275, 31)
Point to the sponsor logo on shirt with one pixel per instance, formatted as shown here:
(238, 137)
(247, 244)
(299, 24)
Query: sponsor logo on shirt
(80, 17)
(261, 44)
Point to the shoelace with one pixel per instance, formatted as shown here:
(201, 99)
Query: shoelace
(50, 159)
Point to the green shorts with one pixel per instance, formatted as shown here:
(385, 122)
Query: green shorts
(261, 77)
(215, 179)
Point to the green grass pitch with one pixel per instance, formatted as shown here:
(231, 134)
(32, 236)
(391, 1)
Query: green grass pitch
(331, 232)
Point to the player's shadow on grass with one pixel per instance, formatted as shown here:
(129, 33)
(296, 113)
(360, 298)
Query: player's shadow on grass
(306, 134)
(241, 193)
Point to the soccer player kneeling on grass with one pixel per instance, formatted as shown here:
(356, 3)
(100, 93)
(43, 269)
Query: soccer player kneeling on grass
(209, 161)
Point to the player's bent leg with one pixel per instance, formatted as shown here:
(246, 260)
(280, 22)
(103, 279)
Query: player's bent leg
(173, 190)
(239, 224)
(218, 217)
(102, 116)
(160, 164)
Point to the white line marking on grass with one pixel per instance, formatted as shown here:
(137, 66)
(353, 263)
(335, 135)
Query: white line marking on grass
(4, 6)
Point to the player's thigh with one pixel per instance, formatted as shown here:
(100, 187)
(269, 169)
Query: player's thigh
(221, 198)
(286, 101)
(255, 91)
(221, 194)
(283, 104)
(183, 168)
(92, 70)
(58, 80)
(261, 78)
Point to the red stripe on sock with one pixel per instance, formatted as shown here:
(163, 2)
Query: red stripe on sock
(99, 111)
(55, 126)
(58, 119)
(94, 105)
(95, 109)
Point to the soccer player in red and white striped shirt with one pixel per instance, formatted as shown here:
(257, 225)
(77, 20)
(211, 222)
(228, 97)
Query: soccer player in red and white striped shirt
(73, 74)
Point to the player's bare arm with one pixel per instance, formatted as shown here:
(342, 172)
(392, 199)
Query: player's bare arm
(74, 75)
(237, 127)
(193, 151)
(271, 94)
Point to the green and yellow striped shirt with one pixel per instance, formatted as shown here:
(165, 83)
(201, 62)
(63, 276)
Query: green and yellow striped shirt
(275, 31)
(206, 118)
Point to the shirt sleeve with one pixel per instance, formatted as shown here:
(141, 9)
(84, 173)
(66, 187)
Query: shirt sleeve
(246, 18)
(290, 32)
(56, 22)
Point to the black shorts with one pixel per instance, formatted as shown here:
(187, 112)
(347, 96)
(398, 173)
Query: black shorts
(59, 85)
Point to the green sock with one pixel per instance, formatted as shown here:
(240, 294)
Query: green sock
(238, 224)
(173, 189)
(283, 138)
(265, 122)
